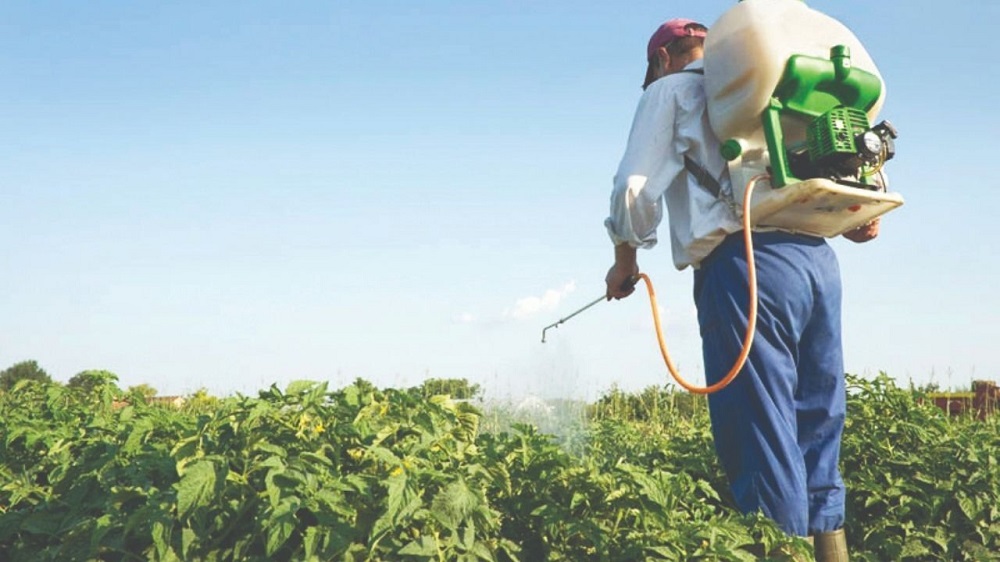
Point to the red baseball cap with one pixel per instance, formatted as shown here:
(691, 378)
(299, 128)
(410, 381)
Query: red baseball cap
(667, 33)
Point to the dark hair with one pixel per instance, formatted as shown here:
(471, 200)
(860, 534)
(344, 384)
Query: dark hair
(686, 44)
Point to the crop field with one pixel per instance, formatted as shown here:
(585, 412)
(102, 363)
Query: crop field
(362, 473)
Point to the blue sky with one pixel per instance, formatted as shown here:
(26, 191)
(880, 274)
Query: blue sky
(230, 194)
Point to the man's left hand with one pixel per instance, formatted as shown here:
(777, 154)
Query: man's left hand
(863, 233)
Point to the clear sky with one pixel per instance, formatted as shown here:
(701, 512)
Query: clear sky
(229, 194)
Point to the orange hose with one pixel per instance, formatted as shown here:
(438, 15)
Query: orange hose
(752, 313)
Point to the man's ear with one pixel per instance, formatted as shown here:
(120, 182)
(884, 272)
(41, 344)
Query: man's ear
(664, 57)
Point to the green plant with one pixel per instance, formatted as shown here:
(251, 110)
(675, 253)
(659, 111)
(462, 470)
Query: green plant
(362, 473)
(921, 485)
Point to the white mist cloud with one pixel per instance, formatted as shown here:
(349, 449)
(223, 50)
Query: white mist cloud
(529, 306)
(465, 318)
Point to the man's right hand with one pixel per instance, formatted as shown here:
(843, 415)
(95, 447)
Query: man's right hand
(620, 279)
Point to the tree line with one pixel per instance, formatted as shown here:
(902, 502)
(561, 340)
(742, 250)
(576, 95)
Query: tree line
(85, 381)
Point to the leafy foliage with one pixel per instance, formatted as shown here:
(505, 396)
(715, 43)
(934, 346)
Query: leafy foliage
(88, 381)
(25, 370)
(459, 389)
(144, 390)
(921, 485)
(362, 473)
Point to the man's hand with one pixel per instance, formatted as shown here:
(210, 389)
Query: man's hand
(619, 277)
(863, 233)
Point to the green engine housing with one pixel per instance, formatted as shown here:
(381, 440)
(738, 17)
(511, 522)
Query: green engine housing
(831, 137)
(832, 98)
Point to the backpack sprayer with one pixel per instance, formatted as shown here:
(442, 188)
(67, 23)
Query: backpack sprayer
(793, 93)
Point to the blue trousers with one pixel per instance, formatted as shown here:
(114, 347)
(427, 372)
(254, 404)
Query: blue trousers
(778, 425)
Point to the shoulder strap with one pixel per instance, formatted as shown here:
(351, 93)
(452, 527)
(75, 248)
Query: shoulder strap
(704, 177)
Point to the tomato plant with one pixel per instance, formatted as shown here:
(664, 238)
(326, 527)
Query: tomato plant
(363, 473)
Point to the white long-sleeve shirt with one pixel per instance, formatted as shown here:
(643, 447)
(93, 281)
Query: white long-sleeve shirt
(671, 122)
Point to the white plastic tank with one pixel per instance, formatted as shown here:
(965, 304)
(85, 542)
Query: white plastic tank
(745, 55)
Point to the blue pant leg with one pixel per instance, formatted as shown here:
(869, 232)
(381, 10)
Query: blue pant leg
(754, 421)
(821, 397)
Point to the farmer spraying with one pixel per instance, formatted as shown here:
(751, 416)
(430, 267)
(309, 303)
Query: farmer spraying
(777, 427)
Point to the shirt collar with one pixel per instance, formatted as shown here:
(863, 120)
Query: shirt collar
(695, 64)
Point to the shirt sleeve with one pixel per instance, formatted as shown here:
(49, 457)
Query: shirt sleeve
(650, 164)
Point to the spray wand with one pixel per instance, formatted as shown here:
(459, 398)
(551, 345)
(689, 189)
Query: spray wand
(561, 320)
(628, 283)
(751, 314)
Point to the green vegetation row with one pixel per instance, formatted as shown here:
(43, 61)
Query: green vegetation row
(360, 473)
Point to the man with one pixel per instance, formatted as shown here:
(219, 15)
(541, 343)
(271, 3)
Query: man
(777, 427)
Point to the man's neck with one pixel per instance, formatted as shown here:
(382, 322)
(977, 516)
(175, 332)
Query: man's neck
(687, 59)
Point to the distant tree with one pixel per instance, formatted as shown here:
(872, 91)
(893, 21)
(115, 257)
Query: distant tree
(460, 389)
(87, 381)
(144, 390)
(363, 386)
(201, 402)
(25, 370)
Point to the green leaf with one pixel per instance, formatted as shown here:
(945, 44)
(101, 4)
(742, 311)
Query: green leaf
(161, 542)
(196, 488)
(352, 396)
(185, 450)
(276, 450)
(385, 455)
(969, 507)
(137, 436)
(708, 490)
(188, 539)
(660, 553)
(913, 548)
(403, 499)
(289, 479)
(272, 488)
(483, 552)
(281, 524)
(316, 458)
(424, 546)
(468, 536)
(101, 528)
(310, 542)
(454, 503)
(299, 387)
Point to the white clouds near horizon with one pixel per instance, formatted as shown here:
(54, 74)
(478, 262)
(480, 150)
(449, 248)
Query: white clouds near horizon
(529, 306)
